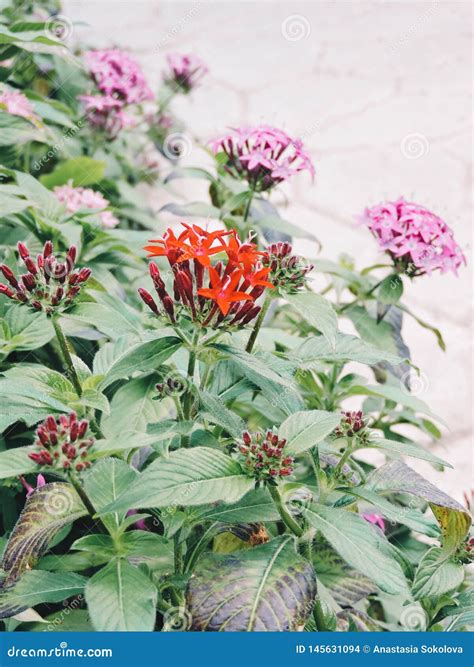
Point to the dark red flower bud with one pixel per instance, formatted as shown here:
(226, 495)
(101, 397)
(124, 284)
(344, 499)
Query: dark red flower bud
(36, 305)
(8, 273)
(71, 256)
(23, 250)
(168, 305)
(51, 423)
(80, 466)
(247, 437)
(84, 274)
(47, 249)
(30, 265)
(7, 291)
(28, 281)
(83, 424)
(148, 299)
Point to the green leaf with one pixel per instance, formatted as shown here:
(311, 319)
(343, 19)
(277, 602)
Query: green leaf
(186, 477)
(392, 393)
(113, 322)
(304, 430)
(104, 483)
(14, 462)
(359, 544)
(41, 196)
(396, 449)
(48, 509)
(39, 587)
(453, 518)
(213, 408)
(390, 289)
(267, 588)
(141, 357)
(346, 585)
(121, 598)
(317, 311)
(82, 171)
(255, 507)
(347, 348)
(24, 330)
(436, 574)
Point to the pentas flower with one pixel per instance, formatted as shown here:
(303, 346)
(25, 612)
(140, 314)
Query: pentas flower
(287, 271)
(106, 113)
(262, 456)
(185, 71)
(50, 284)
(375, 519)
(63, 444)
(17, 104)
(264, 156)
(77, 199)
(116, 74)
(416, 239)
(40, 481)
(121, 83)
(223, 293)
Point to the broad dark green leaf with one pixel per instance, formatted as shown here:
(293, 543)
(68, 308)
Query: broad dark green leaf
(104, 483)
(256, 506)
(317, 311)
(396, 449)
(268, 588)
(304, 430)
(359, 543)
(38, 587)
(186, 477)
(121, 598)
(141, 357)
(437, 573)
(347, 348)
(14, 462)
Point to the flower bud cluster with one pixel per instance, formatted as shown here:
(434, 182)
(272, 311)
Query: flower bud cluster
(63, 444)
(287, 271)
(262, 456)
(352, 423)
(49, 284)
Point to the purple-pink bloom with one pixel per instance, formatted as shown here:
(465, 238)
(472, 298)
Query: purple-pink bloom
(265, 156)
(40, 481)
(417, 240)
(119, 75)
(185, 70)
(140, 524)
(76, 199)
(17, 104)
(376, 519)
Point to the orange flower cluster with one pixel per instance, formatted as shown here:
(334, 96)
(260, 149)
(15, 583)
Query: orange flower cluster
(211, 293)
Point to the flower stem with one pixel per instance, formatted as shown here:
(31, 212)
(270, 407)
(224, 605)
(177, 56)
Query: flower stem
(248, 205)
(67, 356)
(286, 517)
(259, 322)
(343, 459)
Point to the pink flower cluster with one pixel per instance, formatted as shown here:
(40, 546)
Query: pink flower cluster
(185, 71)
(417, 240)
(121, 83)
(77, 199)
(17, 104)
(263, 155)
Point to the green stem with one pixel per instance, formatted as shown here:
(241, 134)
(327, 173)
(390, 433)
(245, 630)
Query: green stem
(178, 554)
(259, 322)
(285, 515)
(247, 206)
(343, 459)
(188, 399)
(87, 503)
(67, 356)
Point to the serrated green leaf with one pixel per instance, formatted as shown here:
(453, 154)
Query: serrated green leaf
(106, 481)
(347, 348)
(186, 477)
(437, 573)
(317, 311)
(395, 449)
(304, 430)
(121, 598)
(359, 544)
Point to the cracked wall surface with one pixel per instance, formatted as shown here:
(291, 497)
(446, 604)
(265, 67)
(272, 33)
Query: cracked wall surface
(381, 93)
